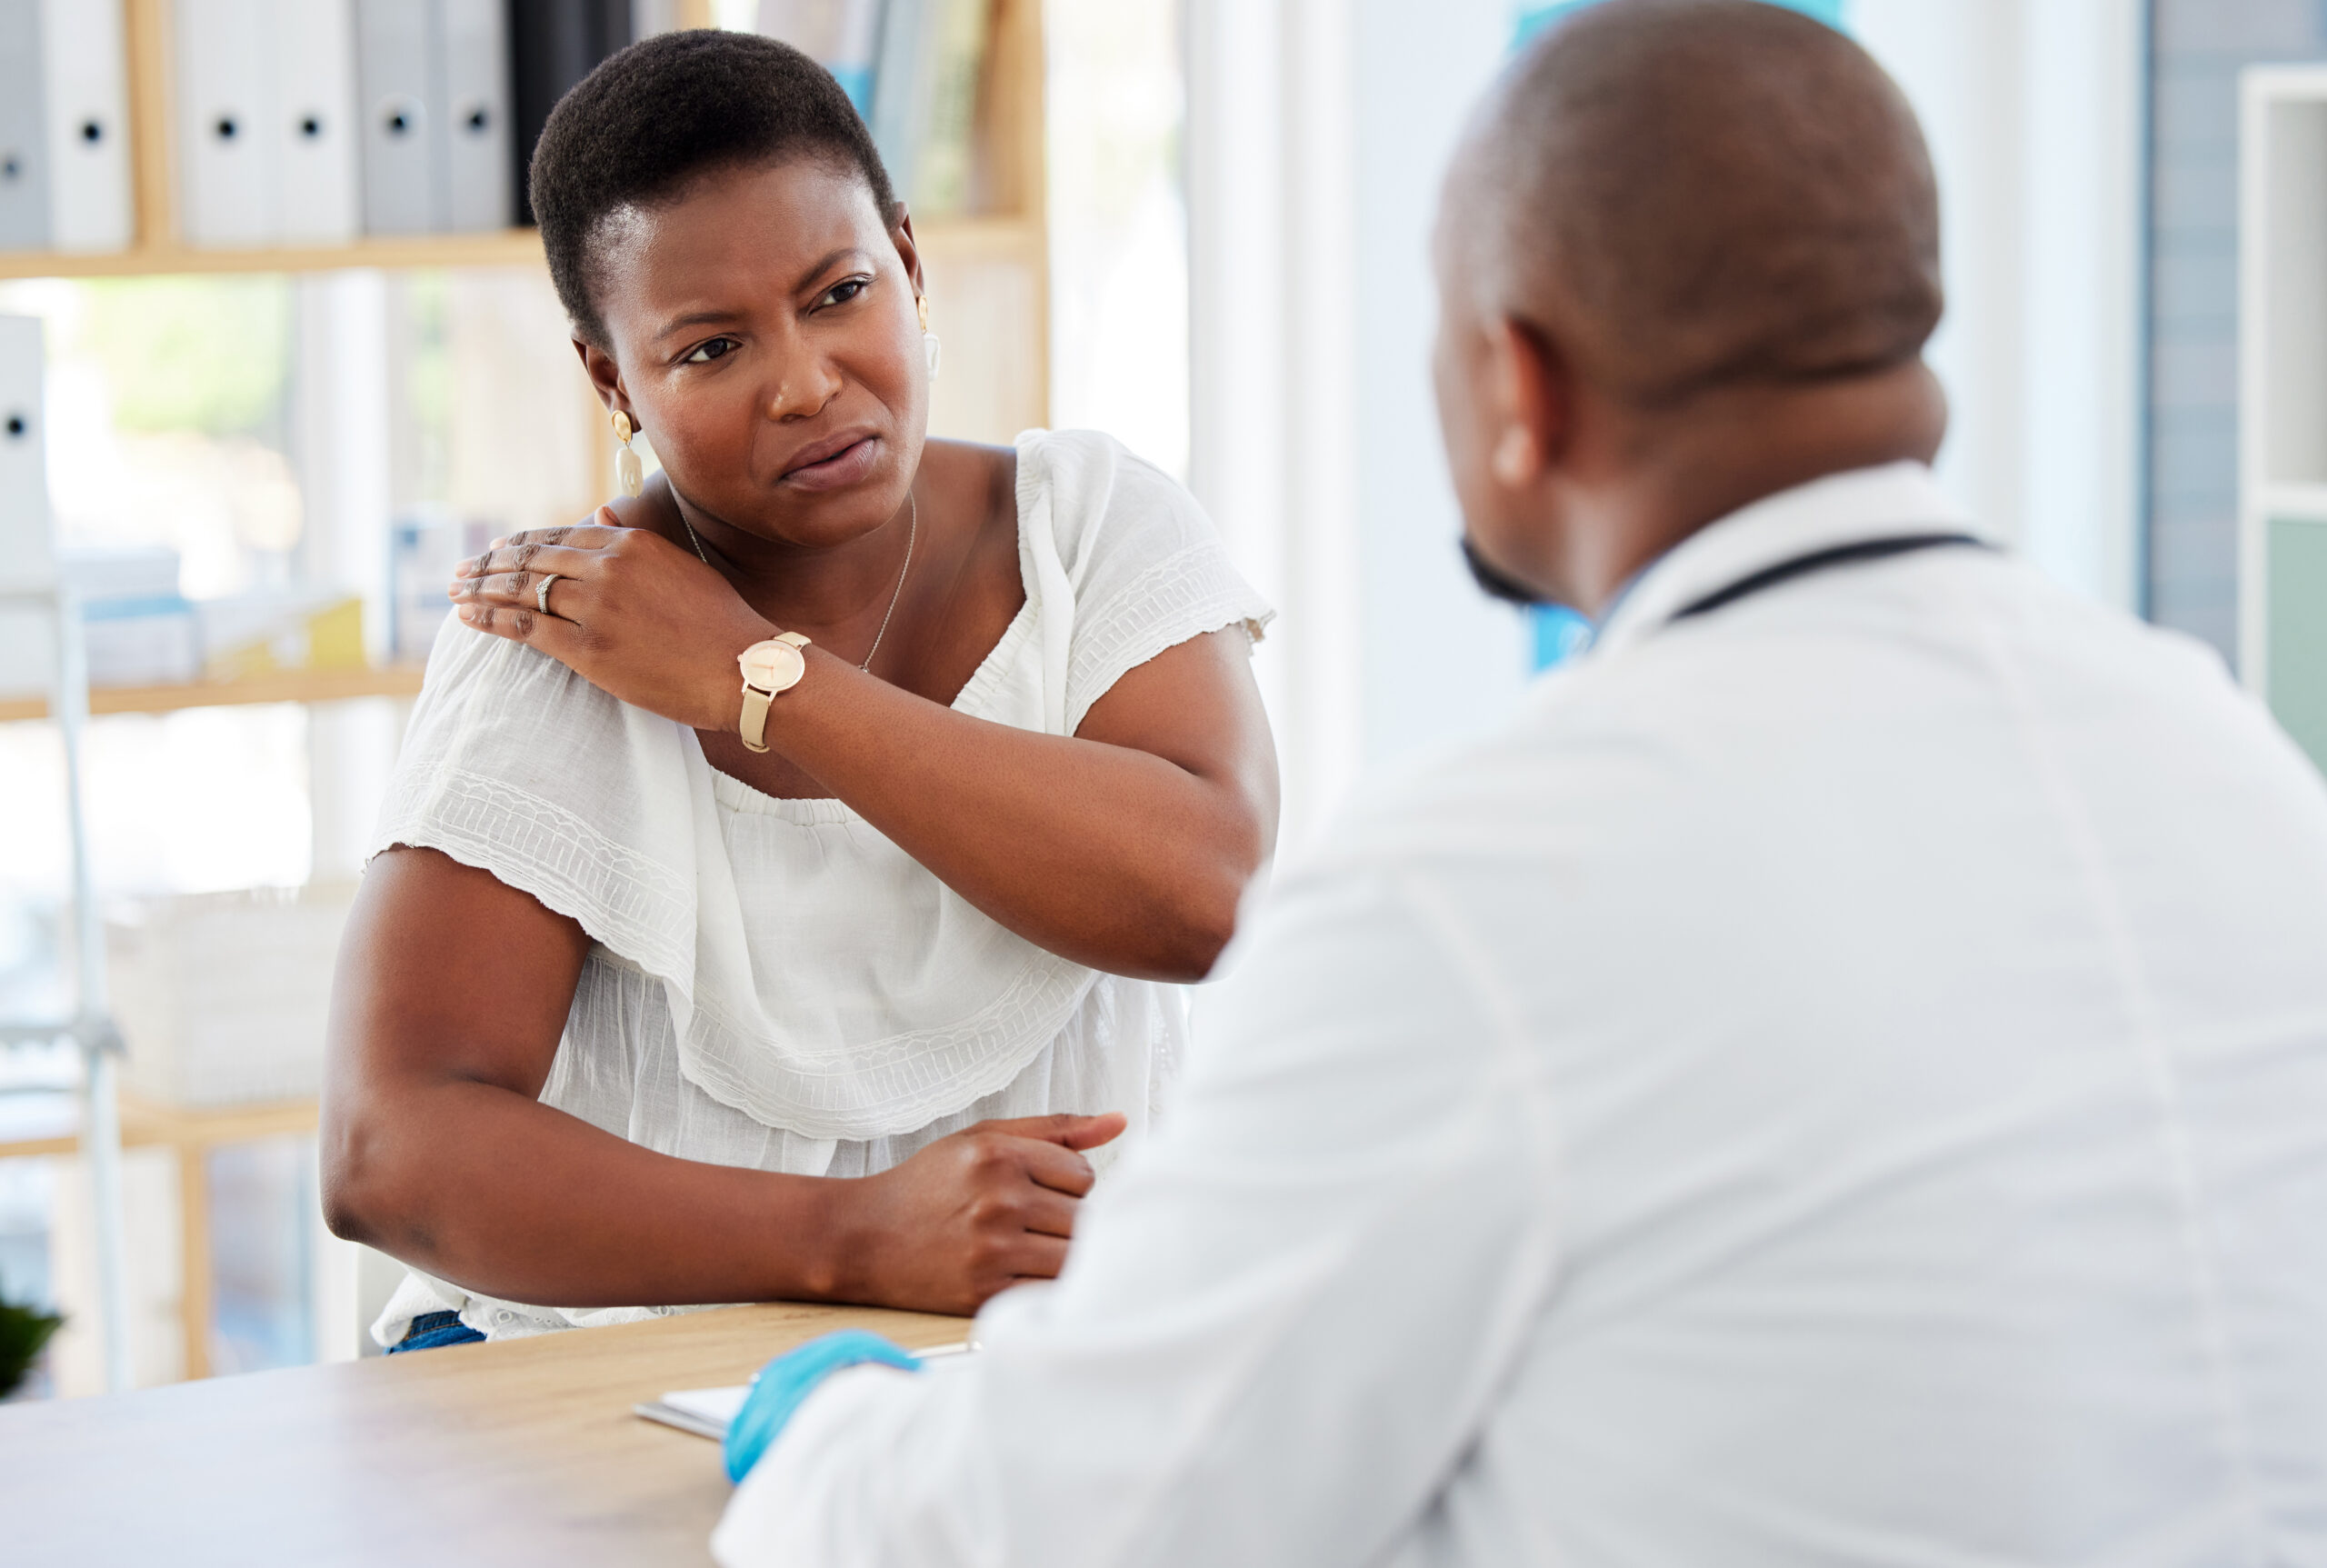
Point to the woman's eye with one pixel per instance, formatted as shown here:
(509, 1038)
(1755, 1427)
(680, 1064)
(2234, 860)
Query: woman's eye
(717, 348)
(842, 293)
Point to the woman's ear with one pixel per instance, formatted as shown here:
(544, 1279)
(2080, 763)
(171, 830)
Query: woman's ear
(606, 376)
(908, 248)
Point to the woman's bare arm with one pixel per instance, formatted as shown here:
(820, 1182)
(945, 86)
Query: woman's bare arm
(452, 992)
(1127, 846)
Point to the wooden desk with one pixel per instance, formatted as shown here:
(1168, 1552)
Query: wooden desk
(515, 1453)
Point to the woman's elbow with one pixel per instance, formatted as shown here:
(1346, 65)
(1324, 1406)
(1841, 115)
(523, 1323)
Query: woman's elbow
(362, 1186)
(1200, 930)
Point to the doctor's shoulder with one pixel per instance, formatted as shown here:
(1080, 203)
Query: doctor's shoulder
(1538, 783)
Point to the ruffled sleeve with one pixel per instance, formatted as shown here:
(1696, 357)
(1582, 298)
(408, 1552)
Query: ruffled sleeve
(516, 765)
(1145, 567)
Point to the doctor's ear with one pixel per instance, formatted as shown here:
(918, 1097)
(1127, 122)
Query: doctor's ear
(1528, 403)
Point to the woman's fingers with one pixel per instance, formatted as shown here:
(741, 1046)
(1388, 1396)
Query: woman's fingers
(1039, 1258)
(976, 1210)
(566, 560)
(1050, 1213)
(498, 555)
(1094, 1131)
(550, 634)
(1059, 1170)
(1064, 1128)
(522, 591)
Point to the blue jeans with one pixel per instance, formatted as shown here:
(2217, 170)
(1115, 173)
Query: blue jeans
(432, 1329)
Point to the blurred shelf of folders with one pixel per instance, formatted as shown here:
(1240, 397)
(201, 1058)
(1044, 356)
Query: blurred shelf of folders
(150, 648)
(163, 132)
(278, 121)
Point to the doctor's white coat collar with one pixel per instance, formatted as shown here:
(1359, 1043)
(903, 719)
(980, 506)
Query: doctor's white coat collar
(1881, 502)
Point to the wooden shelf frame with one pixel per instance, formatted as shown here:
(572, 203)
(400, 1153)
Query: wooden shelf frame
(148, 1124)
(189, 1133)
(508, 247)
(972, 238)
(287, 686)
(2282, 394)
(2295, 503)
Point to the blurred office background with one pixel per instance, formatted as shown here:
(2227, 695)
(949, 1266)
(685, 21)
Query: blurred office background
(269, 422)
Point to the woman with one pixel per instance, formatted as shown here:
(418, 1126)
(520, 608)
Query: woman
(633, 1011)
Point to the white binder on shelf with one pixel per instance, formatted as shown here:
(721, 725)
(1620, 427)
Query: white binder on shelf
(24, 153)
(228, 159)
(479, 164)
(27, 558)
(394, 61)
(86, 66)
(313, 107)
(27, 561)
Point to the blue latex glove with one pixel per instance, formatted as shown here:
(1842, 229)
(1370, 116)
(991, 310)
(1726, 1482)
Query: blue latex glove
(787, 1380)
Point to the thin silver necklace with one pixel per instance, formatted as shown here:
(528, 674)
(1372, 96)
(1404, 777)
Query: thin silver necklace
(912, 533)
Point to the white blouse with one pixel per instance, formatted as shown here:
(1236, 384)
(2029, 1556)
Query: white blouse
(774, 983)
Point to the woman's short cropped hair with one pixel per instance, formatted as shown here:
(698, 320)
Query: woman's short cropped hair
(665, 110)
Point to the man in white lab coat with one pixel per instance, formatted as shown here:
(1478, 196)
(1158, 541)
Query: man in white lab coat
(1841, 1078)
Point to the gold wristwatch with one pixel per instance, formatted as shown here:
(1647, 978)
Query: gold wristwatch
(769, 667)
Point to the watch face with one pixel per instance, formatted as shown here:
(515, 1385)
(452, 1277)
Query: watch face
(772, 666)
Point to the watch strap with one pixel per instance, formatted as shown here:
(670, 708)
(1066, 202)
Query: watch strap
(752, 727)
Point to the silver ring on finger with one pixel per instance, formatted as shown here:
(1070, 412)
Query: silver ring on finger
(540, 594)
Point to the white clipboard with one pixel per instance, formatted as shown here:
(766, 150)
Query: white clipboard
(705, 1412)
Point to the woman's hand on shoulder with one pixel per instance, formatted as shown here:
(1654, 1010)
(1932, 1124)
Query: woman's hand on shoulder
(624, 608)
(970, 1215)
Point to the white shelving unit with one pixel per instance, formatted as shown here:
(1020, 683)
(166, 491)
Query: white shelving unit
(2282, 396)
(33, 590)
(91, 1027)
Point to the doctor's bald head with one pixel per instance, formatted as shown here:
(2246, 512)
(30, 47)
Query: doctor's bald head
(1670, 215)
(1704, 190)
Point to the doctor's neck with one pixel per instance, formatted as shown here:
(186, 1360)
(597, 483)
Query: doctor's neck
(1606, 520)
(1688, 257)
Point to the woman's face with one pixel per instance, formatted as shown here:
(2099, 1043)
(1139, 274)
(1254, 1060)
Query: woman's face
(764, 336)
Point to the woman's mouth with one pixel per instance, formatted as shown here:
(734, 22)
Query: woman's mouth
(834, 465)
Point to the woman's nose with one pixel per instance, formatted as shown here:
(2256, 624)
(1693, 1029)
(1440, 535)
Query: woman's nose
(802, 392)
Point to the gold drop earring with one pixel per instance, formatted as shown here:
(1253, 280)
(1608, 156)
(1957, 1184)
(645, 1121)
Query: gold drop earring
(929, 343)
(630, 475)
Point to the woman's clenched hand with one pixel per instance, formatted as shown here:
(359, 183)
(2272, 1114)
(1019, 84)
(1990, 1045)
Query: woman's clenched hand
(628, 611)
(971, 1215)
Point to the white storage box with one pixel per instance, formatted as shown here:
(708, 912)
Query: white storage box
(139, 630)
(100, 573)
(222, 997)
(152, 642)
